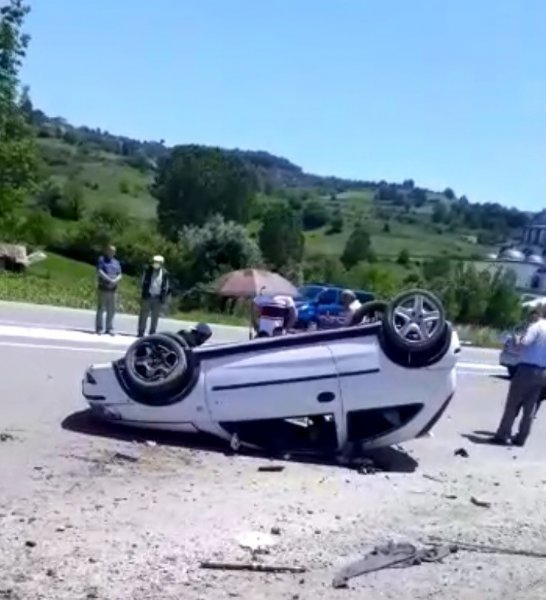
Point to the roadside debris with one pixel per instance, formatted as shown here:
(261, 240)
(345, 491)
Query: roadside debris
(122, 456)
(485, 549)
(432, 478)
(275, 531)
(256, 541)
(258, 567)
(271, 468)
(481, 503)
(393, 555)
(461, 452)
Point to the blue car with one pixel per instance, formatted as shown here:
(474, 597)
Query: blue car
(319, 306)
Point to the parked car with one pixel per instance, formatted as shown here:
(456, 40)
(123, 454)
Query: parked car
(320, 307)
(370, 385)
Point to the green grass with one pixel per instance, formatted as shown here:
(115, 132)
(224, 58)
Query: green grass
(60, 281)
(101, 175)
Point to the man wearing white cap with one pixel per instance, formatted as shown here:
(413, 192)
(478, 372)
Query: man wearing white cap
(154, 291)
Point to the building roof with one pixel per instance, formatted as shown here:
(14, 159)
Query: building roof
(511, 254)
(539, 219)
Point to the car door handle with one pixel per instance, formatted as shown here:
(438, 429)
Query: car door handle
(324, 397)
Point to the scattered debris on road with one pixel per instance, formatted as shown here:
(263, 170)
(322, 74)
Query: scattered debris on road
(256, 541)
(395, 555)
(461, 452)
(432, 478)
(485, 549)
(481, 503)
(271, 468)
(124, 457)
(258, 567)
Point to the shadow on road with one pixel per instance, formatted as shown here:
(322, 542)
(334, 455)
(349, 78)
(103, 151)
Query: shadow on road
(388, 459)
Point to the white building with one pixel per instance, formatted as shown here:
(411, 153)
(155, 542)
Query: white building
(526, 257)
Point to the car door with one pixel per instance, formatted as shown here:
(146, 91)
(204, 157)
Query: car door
(328, 308)
(269, 384)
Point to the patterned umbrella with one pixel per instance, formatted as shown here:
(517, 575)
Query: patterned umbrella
(249, 283)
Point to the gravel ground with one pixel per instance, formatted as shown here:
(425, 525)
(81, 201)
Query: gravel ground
(89, 514)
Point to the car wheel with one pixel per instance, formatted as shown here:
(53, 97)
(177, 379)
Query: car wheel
(374, 309)
(414, 321)
(156, 364)
(511, 371)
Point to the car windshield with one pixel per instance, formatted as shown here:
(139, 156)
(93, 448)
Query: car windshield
(309, 292)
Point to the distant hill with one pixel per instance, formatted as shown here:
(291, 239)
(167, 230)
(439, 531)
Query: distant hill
(117, 169)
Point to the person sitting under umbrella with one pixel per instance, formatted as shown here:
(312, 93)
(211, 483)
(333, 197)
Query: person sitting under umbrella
(273, 315)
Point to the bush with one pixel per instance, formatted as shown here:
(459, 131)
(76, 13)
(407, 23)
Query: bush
(315, 215)
(404, 258)
(124, 187)
(217, 247)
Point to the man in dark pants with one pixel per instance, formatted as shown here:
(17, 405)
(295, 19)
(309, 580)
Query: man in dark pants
(108, 278)
(154, 291)
(526, 385)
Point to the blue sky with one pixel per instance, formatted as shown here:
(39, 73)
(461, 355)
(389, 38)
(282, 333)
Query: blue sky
(448, 93)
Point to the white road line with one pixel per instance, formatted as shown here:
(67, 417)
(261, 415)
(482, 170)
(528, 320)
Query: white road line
(63, 335)
(87, 349)
(480, 366)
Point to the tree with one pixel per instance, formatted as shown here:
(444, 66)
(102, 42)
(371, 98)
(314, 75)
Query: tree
(404, 258)
(217, 247)
(374, 279)
(439, 213)
(73, 200)
(315, 214)
(358, 247)
(449, 194)
(193, 183)
(18, 157)
(418, 197)
(281, 237)
(387, 227)
(336, 223)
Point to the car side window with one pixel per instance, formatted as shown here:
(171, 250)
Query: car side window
(328, 297)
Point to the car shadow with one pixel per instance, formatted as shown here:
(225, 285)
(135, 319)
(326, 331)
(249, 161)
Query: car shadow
(389, 459)
(501, 377)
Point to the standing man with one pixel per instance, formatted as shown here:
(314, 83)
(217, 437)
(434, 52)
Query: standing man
(527, 384)
(155, 288)
(350, 305)
(108, 278)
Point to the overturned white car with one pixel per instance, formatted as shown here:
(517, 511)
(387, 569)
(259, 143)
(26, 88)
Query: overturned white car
(374, 384)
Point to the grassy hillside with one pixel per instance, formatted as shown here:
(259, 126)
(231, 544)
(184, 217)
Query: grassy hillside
(60, 281)
(106, 176)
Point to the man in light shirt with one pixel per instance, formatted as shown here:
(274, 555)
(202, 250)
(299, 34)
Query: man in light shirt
(154, 291)
(527, 384)
(350, 305)
(273, 315)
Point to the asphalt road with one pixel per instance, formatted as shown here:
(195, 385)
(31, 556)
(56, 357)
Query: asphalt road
(53, 326)
(78, 522)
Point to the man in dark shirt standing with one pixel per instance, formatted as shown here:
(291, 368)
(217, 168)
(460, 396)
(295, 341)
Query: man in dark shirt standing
(108, 278)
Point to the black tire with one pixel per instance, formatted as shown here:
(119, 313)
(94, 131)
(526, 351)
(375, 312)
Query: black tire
(156, 364)
(511, 371)
(414, 359)
(400, 322)
(368, 309)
